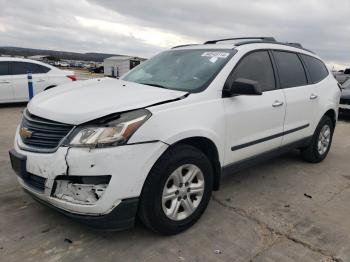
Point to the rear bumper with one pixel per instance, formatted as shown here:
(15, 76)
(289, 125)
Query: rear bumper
(120, 218)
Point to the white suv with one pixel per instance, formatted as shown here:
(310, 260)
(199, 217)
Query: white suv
(14, 83)
(155, 143)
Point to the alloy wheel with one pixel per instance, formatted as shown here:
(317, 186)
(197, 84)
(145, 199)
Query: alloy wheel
(183, 192)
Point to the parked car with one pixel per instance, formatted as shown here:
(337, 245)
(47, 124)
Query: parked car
(344, 105)
(342, 76)
(97, 70)
(14, 83)
(155, 143)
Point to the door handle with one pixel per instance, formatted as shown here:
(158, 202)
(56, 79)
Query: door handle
(313, 97)
(40, 80)
(277, 103)
(5, 82)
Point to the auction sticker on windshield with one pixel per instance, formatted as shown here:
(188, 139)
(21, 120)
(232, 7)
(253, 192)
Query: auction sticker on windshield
(216, 54)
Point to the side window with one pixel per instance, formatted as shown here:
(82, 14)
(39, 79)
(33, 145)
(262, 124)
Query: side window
(256, 66)
(290, 69)
(4, 68)
(22, 68)
(19, 68)
(134, 63)
(316, 68)
(39, 69)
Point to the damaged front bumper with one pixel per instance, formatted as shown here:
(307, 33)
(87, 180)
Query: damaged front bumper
(92, 186)
(121, 217)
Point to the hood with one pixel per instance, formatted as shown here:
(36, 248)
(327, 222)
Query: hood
(82, 101)
(345, 94)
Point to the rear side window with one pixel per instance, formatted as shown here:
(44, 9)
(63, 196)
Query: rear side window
(290, 69)
(316, 68)
(19, 68)
(22, 68)
(4, 68)
(256, 66)
(39, 69)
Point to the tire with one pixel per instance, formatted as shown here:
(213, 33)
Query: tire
(183, 159)
(312, 153)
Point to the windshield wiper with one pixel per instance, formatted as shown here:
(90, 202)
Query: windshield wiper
(156, 85)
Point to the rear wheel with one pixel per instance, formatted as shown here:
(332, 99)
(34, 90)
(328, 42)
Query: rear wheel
(321, 141)
(177, 190)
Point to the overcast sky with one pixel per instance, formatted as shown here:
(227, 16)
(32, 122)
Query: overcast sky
(143, 28)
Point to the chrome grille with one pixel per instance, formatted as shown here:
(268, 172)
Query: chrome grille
(44, 134)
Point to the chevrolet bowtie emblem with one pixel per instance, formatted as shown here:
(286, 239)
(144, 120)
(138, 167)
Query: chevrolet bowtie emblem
(25, 133)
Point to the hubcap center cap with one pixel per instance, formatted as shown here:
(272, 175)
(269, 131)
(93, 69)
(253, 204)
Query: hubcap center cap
(183, 192)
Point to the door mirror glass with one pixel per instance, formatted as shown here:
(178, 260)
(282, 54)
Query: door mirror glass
(242, 86)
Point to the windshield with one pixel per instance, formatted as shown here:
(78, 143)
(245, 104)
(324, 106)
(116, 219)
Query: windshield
(185, 70)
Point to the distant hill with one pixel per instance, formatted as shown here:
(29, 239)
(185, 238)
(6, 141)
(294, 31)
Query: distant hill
(19, 51)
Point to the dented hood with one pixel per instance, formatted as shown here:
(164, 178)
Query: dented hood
(82, 101)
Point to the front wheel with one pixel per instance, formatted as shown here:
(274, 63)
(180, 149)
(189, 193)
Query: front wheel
(177, 190)
(320, 143)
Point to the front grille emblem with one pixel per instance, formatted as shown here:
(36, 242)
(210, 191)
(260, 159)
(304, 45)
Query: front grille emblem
(25, 133)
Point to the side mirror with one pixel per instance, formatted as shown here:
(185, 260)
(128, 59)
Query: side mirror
(242, 86)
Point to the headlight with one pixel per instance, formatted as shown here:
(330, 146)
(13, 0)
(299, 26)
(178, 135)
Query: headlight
(113, 133)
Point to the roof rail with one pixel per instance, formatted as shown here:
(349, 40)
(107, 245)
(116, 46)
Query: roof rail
(268, 39)
(295, 45)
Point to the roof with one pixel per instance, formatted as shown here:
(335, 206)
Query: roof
(17, 59)
(248, 46)
(235, 43)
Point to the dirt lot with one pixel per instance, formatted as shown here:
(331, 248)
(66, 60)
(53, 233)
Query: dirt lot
(283, 210)
(83, 74)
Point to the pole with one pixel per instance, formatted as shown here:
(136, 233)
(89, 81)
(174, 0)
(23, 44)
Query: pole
(113, 73)
(30, 84)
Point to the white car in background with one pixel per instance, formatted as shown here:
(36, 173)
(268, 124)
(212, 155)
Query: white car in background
(14, 83)
(344, 104)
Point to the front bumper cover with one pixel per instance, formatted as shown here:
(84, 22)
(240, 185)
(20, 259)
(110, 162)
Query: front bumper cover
(120, 218)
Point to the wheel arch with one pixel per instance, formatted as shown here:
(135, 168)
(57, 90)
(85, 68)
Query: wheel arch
(49, 87)
(208, 147)
(332, 114)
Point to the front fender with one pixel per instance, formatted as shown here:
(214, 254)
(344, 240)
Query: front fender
(174, 138)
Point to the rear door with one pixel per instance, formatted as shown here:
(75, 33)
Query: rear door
(19, 72)
(254, 124)
(301, 98)
(6, 91)
(20, 83)
(40, 77)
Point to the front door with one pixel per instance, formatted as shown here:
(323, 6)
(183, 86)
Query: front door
(254, 124)
(6, 91)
